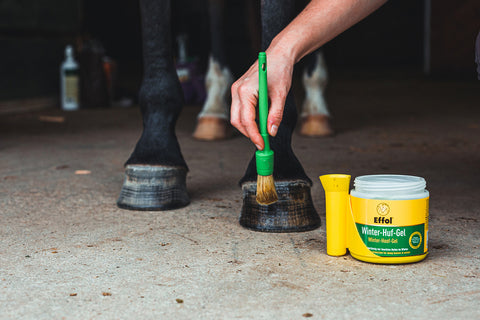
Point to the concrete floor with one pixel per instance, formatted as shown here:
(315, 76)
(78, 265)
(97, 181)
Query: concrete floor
(67, 251)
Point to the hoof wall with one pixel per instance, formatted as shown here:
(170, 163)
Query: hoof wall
(211, 129)
(293, 212)
(315, 126)
(153, 188)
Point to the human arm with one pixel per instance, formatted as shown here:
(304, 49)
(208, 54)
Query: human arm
(319, 22)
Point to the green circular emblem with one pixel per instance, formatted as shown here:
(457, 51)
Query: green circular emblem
(415, 240)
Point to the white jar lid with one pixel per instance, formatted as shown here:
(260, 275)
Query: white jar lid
(390, 186)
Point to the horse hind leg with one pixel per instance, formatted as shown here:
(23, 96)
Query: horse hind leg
(213, 120)
(315, 118)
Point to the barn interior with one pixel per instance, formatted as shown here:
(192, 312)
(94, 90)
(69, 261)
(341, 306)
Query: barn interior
(404, 98)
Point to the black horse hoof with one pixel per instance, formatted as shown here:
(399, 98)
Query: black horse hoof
(293, 212)
(153, 188)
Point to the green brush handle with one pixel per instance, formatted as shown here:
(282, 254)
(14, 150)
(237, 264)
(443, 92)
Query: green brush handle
(263, 98)
(264, 158)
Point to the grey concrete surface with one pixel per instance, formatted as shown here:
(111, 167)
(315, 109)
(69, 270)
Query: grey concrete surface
(67, 251)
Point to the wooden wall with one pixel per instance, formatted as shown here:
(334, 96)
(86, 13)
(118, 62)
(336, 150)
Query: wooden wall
(455, 25)
(33, 35)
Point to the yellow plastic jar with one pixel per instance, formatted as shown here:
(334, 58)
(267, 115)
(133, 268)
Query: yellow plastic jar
(390, 213)
(384, 219)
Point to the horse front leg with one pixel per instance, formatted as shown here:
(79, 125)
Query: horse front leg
(155, 173)
(294, 211)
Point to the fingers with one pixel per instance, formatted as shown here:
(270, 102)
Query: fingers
(235, 108)
(243, 108)
(248, 101)
(275, 114)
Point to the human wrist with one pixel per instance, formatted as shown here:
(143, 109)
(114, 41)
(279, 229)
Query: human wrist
(282, 51)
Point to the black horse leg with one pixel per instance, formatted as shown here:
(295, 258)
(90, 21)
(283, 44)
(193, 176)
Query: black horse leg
(294, 211)
(155, 173)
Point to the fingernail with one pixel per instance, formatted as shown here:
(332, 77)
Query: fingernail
(258, 147)
(273, 129)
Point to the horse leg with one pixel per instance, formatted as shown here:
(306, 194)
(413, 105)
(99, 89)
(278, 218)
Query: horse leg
(213, 120)
(294, 211)
(155, 173)
(314, 119)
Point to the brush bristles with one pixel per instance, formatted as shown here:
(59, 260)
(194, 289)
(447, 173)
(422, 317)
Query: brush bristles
(266, 193)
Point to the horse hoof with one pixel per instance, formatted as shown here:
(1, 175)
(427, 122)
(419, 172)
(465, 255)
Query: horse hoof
(153, 188)
(211, 128)
(293, 212)
(315, 126)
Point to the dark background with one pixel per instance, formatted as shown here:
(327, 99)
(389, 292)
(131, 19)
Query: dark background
(33, 35)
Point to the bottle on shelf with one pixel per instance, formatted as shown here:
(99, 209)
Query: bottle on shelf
(69, 81)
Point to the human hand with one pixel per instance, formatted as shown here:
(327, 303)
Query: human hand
(245, 97)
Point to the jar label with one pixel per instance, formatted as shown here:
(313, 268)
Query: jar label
(392, 228)
(393, 241)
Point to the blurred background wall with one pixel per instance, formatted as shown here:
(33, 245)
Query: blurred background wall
(433, 38)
